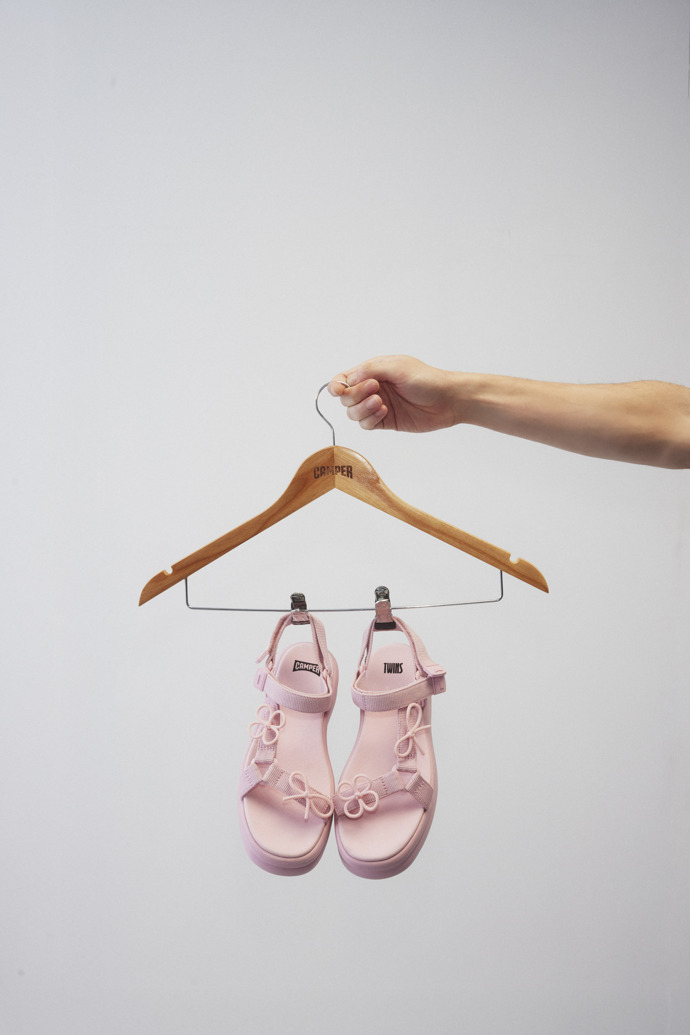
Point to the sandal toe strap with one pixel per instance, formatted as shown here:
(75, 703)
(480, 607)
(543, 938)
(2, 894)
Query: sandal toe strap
(362, 794)
(293, 786)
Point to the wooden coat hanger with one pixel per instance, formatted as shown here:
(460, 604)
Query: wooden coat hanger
(337, 467)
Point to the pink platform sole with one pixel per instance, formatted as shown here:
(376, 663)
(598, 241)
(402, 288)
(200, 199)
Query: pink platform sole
(386, 797)
(286, 785)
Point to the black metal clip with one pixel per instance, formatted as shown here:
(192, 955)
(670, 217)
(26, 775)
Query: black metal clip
(384, 615)
(298, 606)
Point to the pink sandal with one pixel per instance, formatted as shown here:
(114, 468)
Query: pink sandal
(386, 797)
(286, 786)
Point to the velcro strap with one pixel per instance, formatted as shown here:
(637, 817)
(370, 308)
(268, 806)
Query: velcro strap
(277, 778)
(284, 697)
(260, 678)
(265, 753)
(389, 783)
(421, 790)
(373, 701)
(394, 782)
(437, 679)
(416, 785)
(249, 779)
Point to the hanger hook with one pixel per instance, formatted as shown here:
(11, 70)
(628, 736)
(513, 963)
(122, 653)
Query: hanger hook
(320, 413)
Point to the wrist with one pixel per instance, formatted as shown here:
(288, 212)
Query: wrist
(464, 396)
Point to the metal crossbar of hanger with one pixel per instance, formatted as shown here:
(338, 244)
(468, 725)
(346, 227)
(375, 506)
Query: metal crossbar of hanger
(296, 599)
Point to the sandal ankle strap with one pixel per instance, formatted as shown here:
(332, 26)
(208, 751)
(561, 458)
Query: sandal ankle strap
(318, 634)
(284, 697)
(431, 678)
(422, 659)
(388, 700)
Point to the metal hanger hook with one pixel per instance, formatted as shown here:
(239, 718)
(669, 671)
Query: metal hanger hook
(319, 411)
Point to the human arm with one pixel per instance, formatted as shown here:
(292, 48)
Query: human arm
(644, 422)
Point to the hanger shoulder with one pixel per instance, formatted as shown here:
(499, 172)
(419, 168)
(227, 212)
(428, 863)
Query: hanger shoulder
(337, 467)
(315, 476)
(365, 484)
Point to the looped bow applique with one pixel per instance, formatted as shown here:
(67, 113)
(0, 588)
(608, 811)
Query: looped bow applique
(312, 799)
(413, 717)
(359, 797)
(267, 725)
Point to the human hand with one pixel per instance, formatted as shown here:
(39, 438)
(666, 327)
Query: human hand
(399, 393)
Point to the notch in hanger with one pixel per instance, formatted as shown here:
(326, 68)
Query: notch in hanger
(337, 467)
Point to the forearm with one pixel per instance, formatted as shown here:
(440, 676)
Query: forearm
(644, 422)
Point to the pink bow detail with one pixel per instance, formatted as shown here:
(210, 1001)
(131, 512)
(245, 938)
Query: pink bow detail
(406, 743)
(358, 795)
(267, 725)
(312, 799)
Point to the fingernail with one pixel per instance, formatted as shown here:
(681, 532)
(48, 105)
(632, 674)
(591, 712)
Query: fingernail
(373, 403)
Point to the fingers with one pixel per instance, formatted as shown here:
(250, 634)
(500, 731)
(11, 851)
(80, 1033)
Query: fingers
(339, 384)
(376, 415)
(361, 400)
(364, 404)
(359, 393)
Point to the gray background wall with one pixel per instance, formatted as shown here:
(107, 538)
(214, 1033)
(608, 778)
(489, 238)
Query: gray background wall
(208, 209)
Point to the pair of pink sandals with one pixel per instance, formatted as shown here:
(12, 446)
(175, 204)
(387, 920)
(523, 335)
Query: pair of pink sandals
(384, 802)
